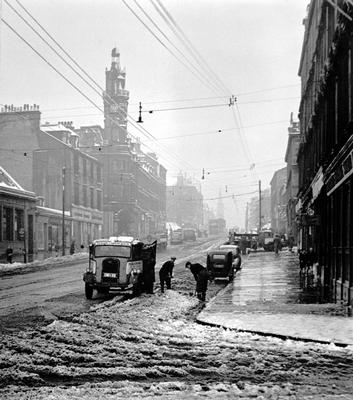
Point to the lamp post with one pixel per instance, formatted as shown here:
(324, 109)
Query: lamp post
(63, 215)
(260, 211)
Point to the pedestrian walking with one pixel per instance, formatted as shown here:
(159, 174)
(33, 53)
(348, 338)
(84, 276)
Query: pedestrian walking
(290, 243)
(201, 276)
(9, 254)
(166, 274)
(72, 247)
(237, 260)
(277, 244)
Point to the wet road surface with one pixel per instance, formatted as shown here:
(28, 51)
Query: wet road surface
(266, 297)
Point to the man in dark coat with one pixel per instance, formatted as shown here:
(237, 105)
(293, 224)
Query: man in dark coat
(166, 274)
(9, 254)
(201, 276)
(277, 244)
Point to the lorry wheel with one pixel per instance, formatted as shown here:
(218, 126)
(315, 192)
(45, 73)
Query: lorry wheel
(136, 289)
(88, 291)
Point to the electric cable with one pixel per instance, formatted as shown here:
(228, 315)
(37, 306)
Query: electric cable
(55, 69)
(166, 47)
(188, 44)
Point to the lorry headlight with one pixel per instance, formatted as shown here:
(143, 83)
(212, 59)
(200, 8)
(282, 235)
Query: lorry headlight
(92, 267)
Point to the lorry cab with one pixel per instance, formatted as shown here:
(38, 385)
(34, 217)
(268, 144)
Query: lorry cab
(120, 263)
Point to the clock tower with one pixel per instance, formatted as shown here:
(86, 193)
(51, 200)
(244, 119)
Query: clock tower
(116, 100)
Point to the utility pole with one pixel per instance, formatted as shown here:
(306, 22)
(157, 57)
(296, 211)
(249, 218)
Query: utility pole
(63, 216)
(260, 212)
(247, 218)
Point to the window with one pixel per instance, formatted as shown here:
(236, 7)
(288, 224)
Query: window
(84, 191)
(76, 194)
(99, 174)
(76, 164)
(7, 223)
(99, 200)
(92, 197)
(84, 167)
(19, 224)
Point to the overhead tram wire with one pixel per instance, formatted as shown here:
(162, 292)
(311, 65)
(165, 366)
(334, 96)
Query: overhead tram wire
(51, 65)
(75, 63)
(68, 65)
(60, 56)
(58, 44)
(68, 55)
(58, 72)
(238, 123)
(202, 79)
(224, 89)
(187, 43)
(169, 41)
(222, 86)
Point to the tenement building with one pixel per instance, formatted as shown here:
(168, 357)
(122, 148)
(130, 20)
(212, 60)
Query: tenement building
(325, 156)
(292, 178)
(67, 182)
(134, 182)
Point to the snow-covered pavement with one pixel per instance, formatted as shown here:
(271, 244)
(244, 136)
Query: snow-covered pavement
(151, 347)
(266, 298)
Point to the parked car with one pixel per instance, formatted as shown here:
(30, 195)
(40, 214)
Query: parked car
(220, 264)
(230, 247)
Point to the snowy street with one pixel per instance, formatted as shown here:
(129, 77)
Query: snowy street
(152, 347)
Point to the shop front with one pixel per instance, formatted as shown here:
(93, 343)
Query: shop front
(17, 220)
(86, 226)
(49, 232)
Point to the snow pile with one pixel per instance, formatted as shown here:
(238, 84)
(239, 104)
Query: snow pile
(149, 348)
(51, 261)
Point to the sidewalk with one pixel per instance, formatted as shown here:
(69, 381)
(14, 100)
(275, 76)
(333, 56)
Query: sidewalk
(265, 298)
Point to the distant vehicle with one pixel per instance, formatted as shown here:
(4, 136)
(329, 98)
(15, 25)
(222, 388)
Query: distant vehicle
(266, 240)
(162, 240)
(176, 236)
(220, 264)
(175, 233)
(120, 263)
(189, 234)
(230, 247)
(217, 226)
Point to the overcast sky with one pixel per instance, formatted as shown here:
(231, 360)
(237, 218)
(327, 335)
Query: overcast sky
(249, 49)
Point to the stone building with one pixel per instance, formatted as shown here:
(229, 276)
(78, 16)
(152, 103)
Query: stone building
(325, 154)
(46, 160)
(185, 204)
(81, 174)
(134, 182)
(292, 178)
(279, 202)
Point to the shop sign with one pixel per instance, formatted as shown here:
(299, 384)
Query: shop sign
(317, 184)
(298, 206)
(313, 220)
(341, 173)
(86, 216)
